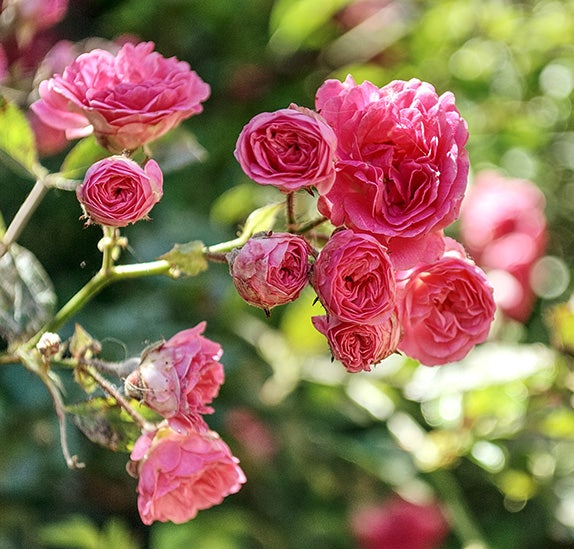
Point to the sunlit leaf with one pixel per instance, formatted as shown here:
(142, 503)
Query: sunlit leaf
(85, 153)
(76, 532)
(560, 321)
(17, 142)
(187, 259)
(27, 298)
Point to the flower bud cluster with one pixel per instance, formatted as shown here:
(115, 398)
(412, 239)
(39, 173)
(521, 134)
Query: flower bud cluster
(390, 168)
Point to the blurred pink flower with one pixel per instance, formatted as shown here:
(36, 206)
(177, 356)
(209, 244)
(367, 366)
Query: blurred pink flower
(182, 468)
(49, 140)
(445, 307)
(354, 279)
(179, 376)
(504, 228)
(40, 14)
(116, 191)
(290, 149)
(399, 524)
(126, 100)
(271, 269)
(255, 436)
(402, 164)
(359, 346)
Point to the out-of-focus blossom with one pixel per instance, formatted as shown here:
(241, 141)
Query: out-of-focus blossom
(256, 438)
(399, 524)
(126, 100)
(116, 191)
(503, 226)
(49, 140)
(290, 149)
(445, 307)
(182, 468)
(179, 376)
(271, 269)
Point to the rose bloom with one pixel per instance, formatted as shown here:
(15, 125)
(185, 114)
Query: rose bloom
(182, 469)
(354, 279)
(116, 191)
(445, 307)
(271, 269)
(403, 166)
(358, 346)
(179, 376)
(399, 524)
(40, 14)
(126, 100)
(290, 149)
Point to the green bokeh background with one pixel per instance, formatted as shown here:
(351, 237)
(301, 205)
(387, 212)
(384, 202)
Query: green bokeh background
(499, 446)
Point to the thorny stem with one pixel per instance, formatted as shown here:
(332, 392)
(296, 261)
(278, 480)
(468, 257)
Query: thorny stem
(112, 391)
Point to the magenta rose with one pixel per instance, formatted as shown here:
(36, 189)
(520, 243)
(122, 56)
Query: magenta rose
(182, 469)
(399, 524)
(354, 279)
(116, 191)
(402, 168)
(271, 269)
(179, 376)
(126, 100)
(290, 149)
(359, 346)
(445, 307)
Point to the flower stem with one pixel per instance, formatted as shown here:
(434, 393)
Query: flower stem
(22, 216)
(290, 212)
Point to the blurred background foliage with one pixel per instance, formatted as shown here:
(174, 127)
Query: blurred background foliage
(491, 438)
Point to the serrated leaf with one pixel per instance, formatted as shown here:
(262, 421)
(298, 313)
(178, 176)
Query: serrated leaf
(81, 157)
(188, 259)
(105, 423)
(17, 142)
(27, 298)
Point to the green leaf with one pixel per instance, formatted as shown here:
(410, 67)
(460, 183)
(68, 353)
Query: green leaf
(176, 150)
(27, 298)
(17, 142)
(261, 220)
(560, 322)
(77, 532)
(115, 533)
(105, 423)
(187, 259)
(81, 157)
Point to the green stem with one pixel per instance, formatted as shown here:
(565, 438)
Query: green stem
(460, 516)
(22, 216)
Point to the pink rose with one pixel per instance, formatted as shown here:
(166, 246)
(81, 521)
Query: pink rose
(126, 100)
(271, 270)
(116, 191)
(358, 346)
(182, 469)
(354, 278)
(445, 307)
(179, 376)
(402, 167)
(399, 524)
(290, 149)
(41, 14)
(49, 140)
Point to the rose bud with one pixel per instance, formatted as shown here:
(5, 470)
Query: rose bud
(271, 270)
(179, 376)
(116, 191)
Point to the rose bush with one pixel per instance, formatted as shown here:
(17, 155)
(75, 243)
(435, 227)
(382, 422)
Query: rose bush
(271, 269)
(403, 166)
(354, 279)
(116, 191)
(180, 376)
(445, 307)
(182, 468)
(126, 100)
(359, 346)
(290, 149)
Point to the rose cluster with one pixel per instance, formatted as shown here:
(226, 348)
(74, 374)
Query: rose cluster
(390, 168)
(183, 466)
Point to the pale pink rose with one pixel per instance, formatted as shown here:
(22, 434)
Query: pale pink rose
(354, 279)
(179, 376)
(271, 269)
(403, 166)
(126, 100)
(445, 307)
(116, 191)
(359, 346)
(290, 149)
(399, 524)
(182, 469)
